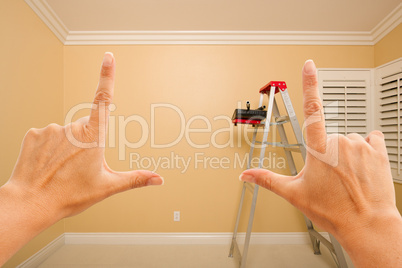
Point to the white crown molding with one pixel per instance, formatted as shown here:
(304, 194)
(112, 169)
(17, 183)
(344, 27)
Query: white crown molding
(389, 23)
(217, 38)
(67, 37)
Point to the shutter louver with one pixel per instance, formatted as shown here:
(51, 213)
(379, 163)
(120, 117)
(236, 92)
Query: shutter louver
(345, 105)
(390, 113)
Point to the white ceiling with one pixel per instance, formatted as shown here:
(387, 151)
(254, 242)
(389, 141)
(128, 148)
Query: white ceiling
(222, 15)
(329, 16)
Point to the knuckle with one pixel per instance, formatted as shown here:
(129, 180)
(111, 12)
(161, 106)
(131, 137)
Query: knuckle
(53, 128)
(354, 136)
(334, 136)
(264, 180)
(104, 96)
(107, 71)
(312, 107)
(337, 139)
(267, 184)
(351, 135)
(87, 134)
(136, 182)
(32, 133)
(33, 130)
(377, 133)
(342, 139)
(310, 81)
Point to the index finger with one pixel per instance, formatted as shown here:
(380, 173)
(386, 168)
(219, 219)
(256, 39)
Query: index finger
(314, 121)
(104, 94)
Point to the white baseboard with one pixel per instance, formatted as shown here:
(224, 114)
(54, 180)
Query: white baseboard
(44, 253)
(294, 238)
(183, 238)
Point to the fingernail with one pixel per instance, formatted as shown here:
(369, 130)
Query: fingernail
(157, 180)
(309, 67)
(108, 59)
(247, 178)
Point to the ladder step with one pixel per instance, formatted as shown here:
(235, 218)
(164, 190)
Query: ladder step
(289, 147)
(249, 186)
(262, 123)
(293, 149)
(282, 119)
(277, 144)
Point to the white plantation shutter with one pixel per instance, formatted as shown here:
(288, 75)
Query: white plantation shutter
(389, 95)
(352, 104)
(347, 100)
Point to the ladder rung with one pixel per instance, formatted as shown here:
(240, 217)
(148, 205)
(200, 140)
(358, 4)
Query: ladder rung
(282, 118)
(249, 186)
(278, 144)
(292, 149)
(278, 123)
(262, 123)
(294, 145)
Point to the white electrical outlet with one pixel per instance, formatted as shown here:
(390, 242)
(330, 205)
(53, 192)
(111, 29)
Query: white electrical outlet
(176, 215)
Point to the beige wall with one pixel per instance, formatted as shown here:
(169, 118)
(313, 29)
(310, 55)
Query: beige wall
(200, 80)
(39, 77)
(389, 49)
(398, 193)
(31, 91)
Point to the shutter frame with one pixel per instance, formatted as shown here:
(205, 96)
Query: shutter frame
(388, 79)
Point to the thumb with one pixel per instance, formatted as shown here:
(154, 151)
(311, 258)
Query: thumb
(123, 181)
(279, 184)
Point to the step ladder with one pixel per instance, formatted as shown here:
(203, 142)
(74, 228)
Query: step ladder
(271, 89)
